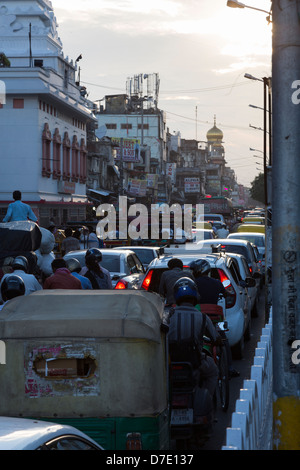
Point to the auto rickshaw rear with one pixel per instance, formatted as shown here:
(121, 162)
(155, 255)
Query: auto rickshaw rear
(95, 360)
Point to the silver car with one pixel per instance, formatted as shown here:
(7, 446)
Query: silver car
(125, 268)
(33, 434)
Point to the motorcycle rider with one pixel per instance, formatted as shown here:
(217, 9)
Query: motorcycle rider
(210, 290)
(74, 267)
(169, 278)
(188, 325)
(20, 267)
(97, 253)
(11, 287)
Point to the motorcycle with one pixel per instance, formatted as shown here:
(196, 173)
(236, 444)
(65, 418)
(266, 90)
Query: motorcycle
(191, 405)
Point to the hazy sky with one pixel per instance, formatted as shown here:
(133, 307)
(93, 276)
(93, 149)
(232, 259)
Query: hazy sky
(201, 50)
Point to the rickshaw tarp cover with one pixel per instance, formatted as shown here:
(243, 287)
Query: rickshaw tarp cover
(98, 314)
(19, 236)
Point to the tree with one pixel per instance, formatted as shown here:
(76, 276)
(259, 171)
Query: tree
(257, 190)
(4, 61)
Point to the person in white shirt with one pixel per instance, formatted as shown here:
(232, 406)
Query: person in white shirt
(20, 267)
(223, 232)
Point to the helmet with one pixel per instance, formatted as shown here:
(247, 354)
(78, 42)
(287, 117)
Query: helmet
(20, 262)
(96, 252)
(200, 267)
(185, 290)
(8, 261)
(73, 265)
(12, 286)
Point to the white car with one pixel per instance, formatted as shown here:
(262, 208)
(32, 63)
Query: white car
(251, 286)
(145, 253)
(222, 267)
(32, 434)
(257, 239)
(125, 268)
(241, 247)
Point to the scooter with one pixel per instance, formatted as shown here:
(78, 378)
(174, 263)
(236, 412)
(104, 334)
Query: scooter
(192, 407)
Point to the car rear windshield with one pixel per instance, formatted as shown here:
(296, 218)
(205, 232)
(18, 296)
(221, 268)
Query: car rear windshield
(111, 262)
(145, 256)
(212, 217)
(240, 250)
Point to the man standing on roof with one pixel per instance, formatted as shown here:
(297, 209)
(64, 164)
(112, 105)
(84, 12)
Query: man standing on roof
(169, 277)
(18, 210)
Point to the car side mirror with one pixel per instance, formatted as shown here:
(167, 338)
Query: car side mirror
(250, 281)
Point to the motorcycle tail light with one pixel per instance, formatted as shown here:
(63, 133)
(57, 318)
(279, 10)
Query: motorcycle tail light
(134, 441)
(181, 400)
(200, 420)
(121, 285)
(147, 280)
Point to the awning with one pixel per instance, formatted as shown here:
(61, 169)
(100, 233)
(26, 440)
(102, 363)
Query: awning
(102, 192)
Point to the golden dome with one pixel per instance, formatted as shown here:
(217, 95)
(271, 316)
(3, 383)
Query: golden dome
(214, 134)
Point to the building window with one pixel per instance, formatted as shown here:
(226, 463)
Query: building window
(82, 157)
(56, 155)
(126, 126)
(145, 126)
(66, 157)
(75, 157)
(18, 103)
(46, 151)
(111, 126)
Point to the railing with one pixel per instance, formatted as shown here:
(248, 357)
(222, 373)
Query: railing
(251, 423)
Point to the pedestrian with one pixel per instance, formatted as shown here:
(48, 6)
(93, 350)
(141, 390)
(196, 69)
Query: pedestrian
(222, 232)
(74, 267)
(97, 252)
(61, 277)
(92, 241)
(20, 268)
(169, 277)
(69, 243)
(95, 274)
(18, 210)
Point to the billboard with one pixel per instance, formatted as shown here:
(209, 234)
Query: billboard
(192, 185)
(131, 149)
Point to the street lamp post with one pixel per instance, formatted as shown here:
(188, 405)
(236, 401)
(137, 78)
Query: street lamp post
(267, 104)
(235, 4)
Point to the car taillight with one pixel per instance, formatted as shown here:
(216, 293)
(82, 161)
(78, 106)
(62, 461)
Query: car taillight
(147, 280)
(121, 284)
(230, 299)
(250, 269)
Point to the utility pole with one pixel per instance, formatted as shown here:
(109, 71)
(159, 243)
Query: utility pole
(286, 223)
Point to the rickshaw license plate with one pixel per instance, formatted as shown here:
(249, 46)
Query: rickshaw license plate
(180, 416)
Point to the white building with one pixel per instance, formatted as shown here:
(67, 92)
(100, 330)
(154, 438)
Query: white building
(43, 116)
(138, 125)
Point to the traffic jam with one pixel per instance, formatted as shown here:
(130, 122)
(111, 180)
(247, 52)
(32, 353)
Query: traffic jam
(124, 343)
